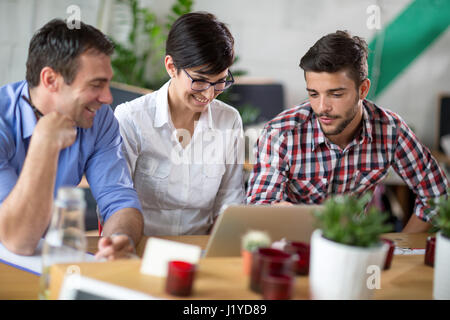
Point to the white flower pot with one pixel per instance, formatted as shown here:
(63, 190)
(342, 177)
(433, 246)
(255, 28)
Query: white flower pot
(441, 283)
(339, 271)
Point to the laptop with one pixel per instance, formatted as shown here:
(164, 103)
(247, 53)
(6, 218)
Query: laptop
(295, 223)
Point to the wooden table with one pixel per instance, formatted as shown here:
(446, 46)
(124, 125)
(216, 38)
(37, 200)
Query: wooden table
(222, 278)
(17, 284)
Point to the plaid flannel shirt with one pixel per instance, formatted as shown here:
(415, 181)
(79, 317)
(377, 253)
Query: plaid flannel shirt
(295, 162)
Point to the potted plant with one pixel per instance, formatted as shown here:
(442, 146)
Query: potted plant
(441, 283)
(251, 241)
(346, 244)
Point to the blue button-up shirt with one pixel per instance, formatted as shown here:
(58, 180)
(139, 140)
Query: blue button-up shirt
(96, 153)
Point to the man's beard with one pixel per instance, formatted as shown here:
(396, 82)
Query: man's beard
(349, 116)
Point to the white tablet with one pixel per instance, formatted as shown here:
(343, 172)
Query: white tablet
(76, 287)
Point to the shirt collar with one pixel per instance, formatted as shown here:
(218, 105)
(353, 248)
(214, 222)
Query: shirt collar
(162, 106)
(318, 135)
(367, 125)
(162, 110)
(28, 118)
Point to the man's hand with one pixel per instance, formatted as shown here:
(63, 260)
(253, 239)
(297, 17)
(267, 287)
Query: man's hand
(115, 247)
(282, 204)
(57, 129)
(123, 230)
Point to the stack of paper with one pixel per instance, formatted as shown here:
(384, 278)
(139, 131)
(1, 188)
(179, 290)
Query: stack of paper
(32, 263)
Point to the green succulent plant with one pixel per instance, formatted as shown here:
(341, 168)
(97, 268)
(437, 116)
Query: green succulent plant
(345, 219)
(442, 219)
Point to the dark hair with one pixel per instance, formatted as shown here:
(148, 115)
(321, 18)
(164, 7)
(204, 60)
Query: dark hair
(338, 51)
(198, 38)
(58, 47)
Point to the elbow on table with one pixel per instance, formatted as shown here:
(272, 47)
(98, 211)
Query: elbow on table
(17, 237)
(23, 247)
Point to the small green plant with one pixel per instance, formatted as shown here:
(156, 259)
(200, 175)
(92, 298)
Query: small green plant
(344, 219)
(140, 61)
(442, 219)
(248, 113)
(253, 240)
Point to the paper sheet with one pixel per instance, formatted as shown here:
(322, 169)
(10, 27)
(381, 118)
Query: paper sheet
(408, 251)
(158, 253)
(32, 264)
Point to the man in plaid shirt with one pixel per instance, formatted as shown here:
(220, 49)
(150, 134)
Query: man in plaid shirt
(339, 142)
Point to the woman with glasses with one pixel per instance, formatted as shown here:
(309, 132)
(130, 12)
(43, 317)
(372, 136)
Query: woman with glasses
(185, 148)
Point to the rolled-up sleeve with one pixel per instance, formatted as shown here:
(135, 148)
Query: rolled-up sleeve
(107, 171)
(420, 171)
(8, 175)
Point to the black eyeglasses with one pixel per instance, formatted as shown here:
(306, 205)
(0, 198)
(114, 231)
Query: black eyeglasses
(202, 85)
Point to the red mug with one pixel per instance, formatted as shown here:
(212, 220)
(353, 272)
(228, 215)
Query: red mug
(180, 277)
(301, 252)
(277, 286)
(389, 254)
(429, 251)
(268, 261)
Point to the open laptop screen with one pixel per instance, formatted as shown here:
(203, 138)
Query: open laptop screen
(295, 223)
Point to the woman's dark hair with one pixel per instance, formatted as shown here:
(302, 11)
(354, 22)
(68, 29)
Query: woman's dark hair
(338, 51)
(57, 46)
(197, 39)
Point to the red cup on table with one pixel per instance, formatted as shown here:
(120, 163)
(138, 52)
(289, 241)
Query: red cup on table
(301, 252)
(389, 254)
(268, 261)
(429, 251)
(180, 278)
(277, 286)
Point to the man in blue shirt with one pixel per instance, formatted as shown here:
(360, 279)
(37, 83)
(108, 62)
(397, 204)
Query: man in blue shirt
(57, 126)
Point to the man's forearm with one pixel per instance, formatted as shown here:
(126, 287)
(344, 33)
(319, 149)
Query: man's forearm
(128, 221)
(26, 211)
(416, 225)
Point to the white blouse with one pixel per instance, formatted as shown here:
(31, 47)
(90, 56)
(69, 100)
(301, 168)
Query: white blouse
(181, 189)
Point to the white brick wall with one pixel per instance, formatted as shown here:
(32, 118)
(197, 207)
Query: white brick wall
(14, 38)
